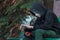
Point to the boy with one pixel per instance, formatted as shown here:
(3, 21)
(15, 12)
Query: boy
(46, 24)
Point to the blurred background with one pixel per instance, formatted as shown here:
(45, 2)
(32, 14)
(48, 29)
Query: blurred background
(14, 12)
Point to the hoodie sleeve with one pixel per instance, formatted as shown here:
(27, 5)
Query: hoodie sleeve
(48, 22)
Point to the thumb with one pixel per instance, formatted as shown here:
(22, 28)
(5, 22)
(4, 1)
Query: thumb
(21, 26)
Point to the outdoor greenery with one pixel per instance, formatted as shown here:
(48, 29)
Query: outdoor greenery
(11, 13)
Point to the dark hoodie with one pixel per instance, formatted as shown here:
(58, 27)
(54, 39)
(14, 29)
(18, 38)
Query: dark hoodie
(47, 21)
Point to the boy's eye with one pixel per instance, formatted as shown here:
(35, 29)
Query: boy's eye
(32, 13)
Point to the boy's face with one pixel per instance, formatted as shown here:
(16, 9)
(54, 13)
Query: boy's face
(37, 14)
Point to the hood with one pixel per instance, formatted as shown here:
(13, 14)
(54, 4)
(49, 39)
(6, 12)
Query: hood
(38, 7)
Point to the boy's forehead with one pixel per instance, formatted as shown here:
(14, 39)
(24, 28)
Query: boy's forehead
(35, 12)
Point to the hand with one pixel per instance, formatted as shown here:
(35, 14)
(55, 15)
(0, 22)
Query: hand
(28, 26)
(21, 27)
(25, 26)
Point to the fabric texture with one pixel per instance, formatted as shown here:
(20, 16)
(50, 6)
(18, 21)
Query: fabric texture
(48, 20)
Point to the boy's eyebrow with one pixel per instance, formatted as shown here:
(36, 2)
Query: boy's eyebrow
(32, 12)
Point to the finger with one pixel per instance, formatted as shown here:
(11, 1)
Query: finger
(20, 27)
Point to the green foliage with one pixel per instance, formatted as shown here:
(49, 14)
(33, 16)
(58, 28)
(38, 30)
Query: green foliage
(8, 20)
(11, 14)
